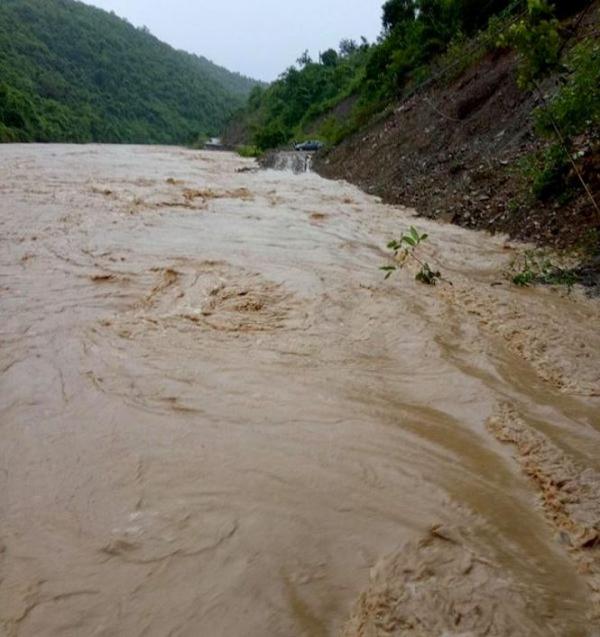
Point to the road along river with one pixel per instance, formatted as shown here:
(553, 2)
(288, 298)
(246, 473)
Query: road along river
(217, 418)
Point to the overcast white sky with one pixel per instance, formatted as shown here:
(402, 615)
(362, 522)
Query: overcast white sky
(258, 38)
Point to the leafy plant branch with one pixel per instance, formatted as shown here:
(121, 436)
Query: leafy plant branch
(535, 268)
(406, 248)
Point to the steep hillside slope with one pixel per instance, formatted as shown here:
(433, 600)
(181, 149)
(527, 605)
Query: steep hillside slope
(487, 116)
(458, 152)
(469, 147)
(71, 72)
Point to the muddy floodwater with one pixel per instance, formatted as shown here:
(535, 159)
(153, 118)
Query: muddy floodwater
(218, 419)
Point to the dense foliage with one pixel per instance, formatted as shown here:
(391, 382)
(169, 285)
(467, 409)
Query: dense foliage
(336, 95)
(413, 33)
(70, 72)
(572, 114)
(301, 95)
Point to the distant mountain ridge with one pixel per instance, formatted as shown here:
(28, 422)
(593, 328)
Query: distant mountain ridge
(70, 72)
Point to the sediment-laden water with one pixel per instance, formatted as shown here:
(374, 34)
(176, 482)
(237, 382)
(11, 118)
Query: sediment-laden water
(218, 419)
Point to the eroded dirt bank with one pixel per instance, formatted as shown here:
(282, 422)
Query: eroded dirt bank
(455, 151)
(218, 418)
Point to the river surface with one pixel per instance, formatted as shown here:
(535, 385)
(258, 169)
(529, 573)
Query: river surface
(218, 419)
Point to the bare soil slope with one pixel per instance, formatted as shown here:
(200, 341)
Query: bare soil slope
(453, 152)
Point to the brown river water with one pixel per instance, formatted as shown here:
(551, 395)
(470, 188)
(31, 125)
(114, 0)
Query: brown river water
(218, 419)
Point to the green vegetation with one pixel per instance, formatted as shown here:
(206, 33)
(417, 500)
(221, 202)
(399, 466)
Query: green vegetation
(249, 151)
(404, 249)
(574, 110)
(302, 95)
(547, 173)
(338, 94)
(70, 72)
(536, 38)
(535, 267)
(576, 107)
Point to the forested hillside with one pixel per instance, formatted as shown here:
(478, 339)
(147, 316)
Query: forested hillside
(418, 38)
(486, 114)
(71, 72)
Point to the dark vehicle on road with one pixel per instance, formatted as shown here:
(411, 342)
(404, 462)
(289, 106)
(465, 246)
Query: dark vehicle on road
(309, 146)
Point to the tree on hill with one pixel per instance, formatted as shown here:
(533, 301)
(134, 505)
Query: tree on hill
(71, 72)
